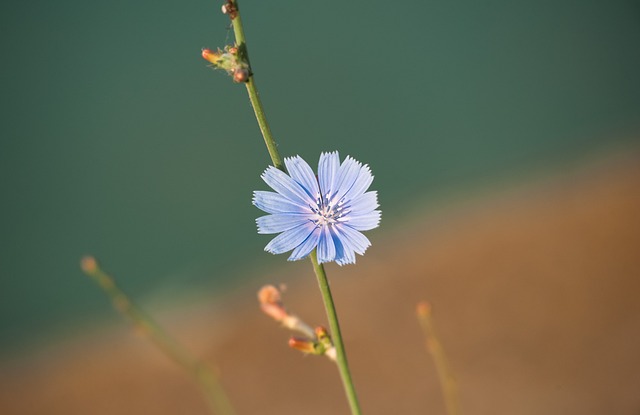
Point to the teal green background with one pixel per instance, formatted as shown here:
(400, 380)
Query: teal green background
(118, 140)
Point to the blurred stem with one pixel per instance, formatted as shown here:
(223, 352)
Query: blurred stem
(253, 91)
(341, 358)
(332, 316)
(435, 349)
(202, 374)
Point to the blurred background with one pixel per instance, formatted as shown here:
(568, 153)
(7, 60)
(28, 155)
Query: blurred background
(504, 141)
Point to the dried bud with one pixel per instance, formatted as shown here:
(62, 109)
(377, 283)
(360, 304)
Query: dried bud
(269, 295)
(304, 345)
(324, 340)
(241, 75)
(211, 56)
(271, 303)
(321, 333)
(230, 8)
(423, 309)
(229, 60)
(89, 265)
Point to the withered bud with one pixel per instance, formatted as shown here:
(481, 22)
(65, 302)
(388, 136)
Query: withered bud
(89, 265)
(321, 333)
(271, 303)
(324, 340)
(423, 309)
(211, 56)
(241, 75)
(230, 8)
(269, 295)
(304, 345)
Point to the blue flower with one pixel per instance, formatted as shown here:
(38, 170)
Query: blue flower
(327, 212)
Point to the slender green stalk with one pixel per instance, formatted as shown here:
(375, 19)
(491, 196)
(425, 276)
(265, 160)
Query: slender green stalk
(341, 357)
(241, 43)
(334, 325)
(434, 346)
(264, 127)
(202, 374)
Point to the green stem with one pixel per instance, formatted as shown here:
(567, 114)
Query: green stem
(201, 373)
(332, 316)
(264, 127)
(341, 357)
(253, 92)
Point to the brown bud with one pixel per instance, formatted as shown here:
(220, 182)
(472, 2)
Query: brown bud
(271, 303)
(210, 55)
(269, 295)
(423, 309)
(89, 265)
(304, 345)
(241, 75)
(230, 8)
(321, 332)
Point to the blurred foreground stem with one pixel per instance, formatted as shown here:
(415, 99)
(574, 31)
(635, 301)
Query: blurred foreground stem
(341, 358)
(445, 375)
(202, 374)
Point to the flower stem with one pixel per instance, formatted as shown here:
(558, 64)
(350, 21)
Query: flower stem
(201, 373)
(264, 127)
(341, 357)
(334, 325)
(241, 43)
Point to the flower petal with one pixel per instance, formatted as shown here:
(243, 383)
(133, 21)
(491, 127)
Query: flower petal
(327, 173)
(302, 173)
(326, 247)
(286, 186)
(354, 240)
(307, 246)
(272, 202)
(344, 254)
(347, 175)
(363, 222)
(364, 204)
(290, 239)
(281, 222)
(362, 183)
(348, 257)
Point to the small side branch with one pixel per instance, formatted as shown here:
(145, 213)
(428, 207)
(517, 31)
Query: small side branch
(201, 373)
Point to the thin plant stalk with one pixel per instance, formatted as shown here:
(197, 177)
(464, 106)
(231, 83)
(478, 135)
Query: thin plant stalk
(435, 349)
(334, 325)
(341, 357)
(258, 109)
(202, 374)
(264, 126)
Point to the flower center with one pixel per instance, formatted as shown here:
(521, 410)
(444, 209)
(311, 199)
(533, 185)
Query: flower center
(327, 212)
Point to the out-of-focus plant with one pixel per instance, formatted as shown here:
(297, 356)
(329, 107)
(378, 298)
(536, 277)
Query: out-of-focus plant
(204, 376)
(435, 349)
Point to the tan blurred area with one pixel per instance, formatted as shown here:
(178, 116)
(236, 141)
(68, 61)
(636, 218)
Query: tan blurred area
(535, 292)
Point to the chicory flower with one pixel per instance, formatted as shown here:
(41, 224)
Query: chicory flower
(328, 211)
